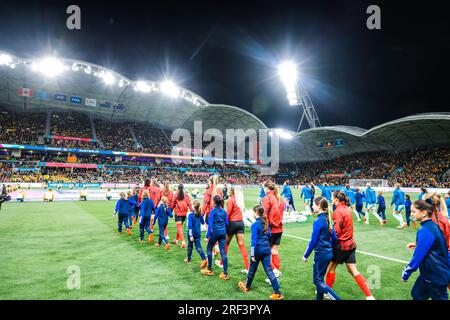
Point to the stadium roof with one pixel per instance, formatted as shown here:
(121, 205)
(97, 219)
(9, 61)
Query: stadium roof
(408, 133)
(118, 98)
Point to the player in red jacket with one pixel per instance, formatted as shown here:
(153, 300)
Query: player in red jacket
(345, 247)
(166, 192)
(155, 195)
(236, 227)
(273, 208)
(145, 187)
(181, 203)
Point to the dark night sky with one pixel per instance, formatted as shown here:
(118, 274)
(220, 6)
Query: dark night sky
(227, 51)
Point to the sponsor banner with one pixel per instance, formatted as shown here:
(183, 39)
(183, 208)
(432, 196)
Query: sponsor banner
(193, 173)
(42, 95)
(25, 169)
(60, 97)
(105, 104)
(335, 175)
(119, 106)
(76, 100)
(90, 102)
(72, 138)
(70, 165)
(73, 185)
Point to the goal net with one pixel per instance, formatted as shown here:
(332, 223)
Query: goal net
(373, 182)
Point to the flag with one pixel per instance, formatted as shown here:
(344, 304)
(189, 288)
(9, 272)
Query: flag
(25, 92)
(90, 102)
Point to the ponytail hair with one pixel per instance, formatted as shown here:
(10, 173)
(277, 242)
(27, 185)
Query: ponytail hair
(323, 205)
(180, 195)
(425, 205)
(197, 210)
(342, 197)
(273, 187)
(218, 201)
(259, 210)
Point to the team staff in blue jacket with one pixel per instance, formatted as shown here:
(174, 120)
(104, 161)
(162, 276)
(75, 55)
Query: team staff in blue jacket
(322, 239)
(398, 198)
(286, 192)
(217, 232)
(123, 209)
(381, 210)
(260, 252)
(430, 257)
(163, 212)
(408, 205)
(359, 206)
(194, 234)
(147, 209)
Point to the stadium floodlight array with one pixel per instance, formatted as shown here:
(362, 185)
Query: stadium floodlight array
(51, 67)
(288, 74)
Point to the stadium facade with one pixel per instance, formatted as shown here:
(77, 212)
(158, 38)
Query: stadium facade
(28, 85)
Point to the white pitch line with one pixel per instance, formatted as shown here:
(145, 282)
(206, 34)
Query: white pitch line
(359, 251)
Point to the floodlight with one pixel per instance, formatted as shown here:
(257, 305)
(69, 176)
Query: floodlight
(50, 67)
(5, 59)
(169, 88)
(288, 73)
(142, 86)
(108, 78)
(283, 134)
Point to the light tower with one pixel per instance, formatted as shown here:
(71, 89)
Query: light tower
(297, 94)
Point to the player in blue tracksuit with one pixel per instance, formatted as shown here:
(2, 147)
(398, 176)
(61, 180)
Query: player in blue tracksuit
(132, 208)
(398, 198)
(307, 195)
(260, 252)
(322, 239)
(359, 205)
(262, 193)
(423, 191)
(381, 210)
(163, 212)
(326, 191)
(408, 209)
(147, 209)
(194, 234)
(350, 193)
(123, 209)
(136, 208)
(430, 257)
(286, 192)
(217, 232)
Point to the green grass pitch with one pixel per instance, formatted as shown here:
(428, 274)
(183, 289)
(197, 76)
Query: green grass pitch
(39, 241)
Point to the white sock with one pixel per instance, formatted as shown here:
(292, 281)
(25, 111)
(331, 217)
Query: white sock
(356, 214)
(399, 218)
(376, 215)
(367, 216)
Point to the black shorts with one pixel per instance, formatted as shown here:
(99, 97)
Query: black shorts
(180, 218)
(235, 227)
(275, 239)
(344, 256)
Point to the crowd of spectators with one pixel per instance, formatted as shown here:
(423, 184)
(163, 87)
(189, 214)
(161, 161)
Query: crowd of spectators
(21, 127)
